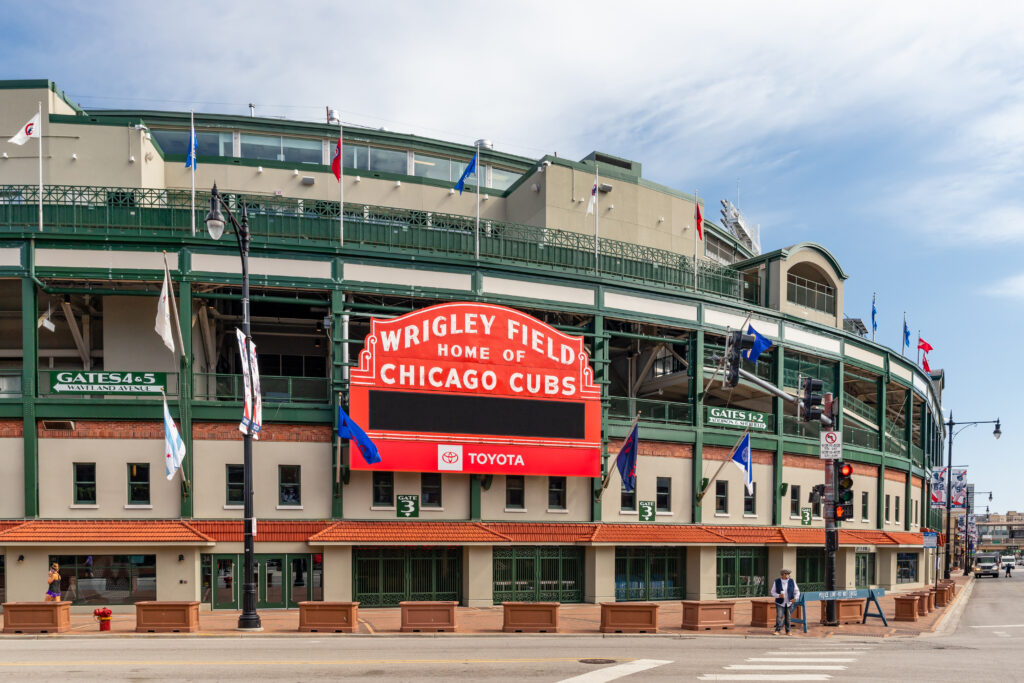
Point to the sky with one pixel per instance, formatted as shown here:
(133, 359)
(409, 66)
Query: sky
(892, 134)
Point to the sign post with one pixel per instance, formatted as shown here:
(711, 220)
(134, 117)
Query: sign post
(646, 508)
(408, 506)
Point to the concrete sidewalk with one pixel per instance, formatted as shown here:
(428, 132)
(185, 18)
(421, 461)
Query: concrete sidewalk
(574, 619)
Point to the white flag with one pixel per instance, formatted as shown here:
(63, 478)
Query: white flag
(163, 314)
(593, 198)
(29, 130)
(174, 447)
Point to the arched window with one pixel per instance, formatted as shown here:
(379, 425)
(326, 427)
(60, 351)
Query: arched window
(807, 285)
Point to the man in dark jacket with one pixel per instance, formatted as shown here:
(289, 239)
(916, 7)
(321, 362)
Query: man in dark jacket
(786, 593)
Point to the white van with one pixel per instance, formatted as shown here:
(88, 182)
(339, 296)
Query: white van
(1007, 561)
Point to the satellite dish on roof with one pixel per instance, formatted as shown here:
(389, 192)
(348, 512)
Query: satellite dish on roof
(735, 223)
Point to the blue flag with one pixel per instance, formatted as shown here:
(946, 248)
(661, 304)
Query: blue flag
(470, 170)
(906, 334)
(874, 312)
(626, 460)
(348, 429)
(741, 456)
(190, 160)
(761, 344)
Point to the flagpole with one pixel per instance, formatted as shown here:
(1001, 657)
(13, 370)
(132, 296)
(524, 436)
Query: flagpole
(919, 347)
(341, 183)
(874, 296)
(608, 474)
(40, 166)
(192, 143)
(696, 229)
(903, 336)
(476, 236)
(597, 215)
(724, 463)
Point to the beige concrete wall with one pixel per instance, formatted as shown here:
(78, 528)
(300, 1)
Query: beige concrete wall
(357, 497)
(211, 457)
(338, 573)
(102, 156)
(599, 574)
(779, 558)
(129, 342)
(649, 468)
(477, 576)
(846, 569)
(894, 489)
(701, 573)
(12, 478)
(735, 515)
(56, 491)
(492, 502)
(178, 580)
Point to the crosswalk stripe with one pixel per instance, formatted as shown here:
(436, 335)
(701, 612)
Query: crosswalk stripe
(802, 660)
(610, 673)
(850, 651)
(764, 677)
(785, 667)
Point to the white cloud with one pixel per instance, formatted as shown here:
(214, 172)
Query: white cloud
(1010, 287)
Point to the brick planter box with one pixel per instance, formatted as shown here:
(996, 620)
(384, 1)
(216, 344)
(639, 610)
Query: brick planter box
(763, 613)
(434, 616)
(704, 615)
(922, 604)
(932, 602)
(530, 617)
(848, 611)
(906, 608)
(940, 597)
(37, 617)
(328, 617)
(166, 617)
(629, 617)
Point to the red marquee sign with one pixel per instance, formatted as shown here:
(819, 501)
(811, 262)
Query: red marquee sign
(476, 388)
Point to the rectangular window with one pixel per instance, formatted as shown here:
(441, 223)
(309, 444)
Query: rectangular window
(515, 492)
(430, 490)
(138, 483)
(389, 161)
(864, 507)
(356, 156)
(887, 507)
(794, 501)
(906, 567)
(234, 475)
(750, 501)
(502, 179)
(556, 493)
(289, 485)
(436, 168)
(384, 489)
(85, 483)
(816, 509)
(721, 497)
(266, 147)
(106, 579)
(897, 509)
(664, 494)
(207, 144)
(915, 514)
(302, 151)
(627, 500)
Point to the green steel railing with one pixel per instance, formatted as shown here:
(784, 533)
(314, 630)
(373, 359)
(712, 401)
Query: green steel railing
(10, 383)
(794, 426)
(804, 292)
(116, 211)
(274, 389)
(764, 368)
(895, 445)
(859, 407)
(856, 436)
(662, 412)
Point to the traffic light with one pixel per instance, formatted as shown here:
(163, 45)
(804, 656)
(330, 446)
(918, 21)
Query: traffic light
(738, 343)
(810, 403)
(844, 490)
(817, 491)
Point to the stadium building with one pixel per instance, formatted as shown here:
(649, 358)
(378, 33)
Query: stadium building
(497, 362)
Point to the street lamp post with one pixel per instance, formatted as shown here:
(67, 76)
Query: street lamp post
(249, 620)
(997, 432)
(968, 513)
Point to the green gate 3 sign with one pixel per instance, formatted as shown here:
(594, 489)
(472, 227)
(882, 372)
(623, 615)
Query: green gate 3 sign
(805, 516)
(95, 382)
(408, 506)
(646, 508)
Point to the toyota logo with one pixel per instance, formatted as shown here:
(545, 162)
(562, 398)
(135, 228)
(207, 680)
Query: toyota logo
(450, 457)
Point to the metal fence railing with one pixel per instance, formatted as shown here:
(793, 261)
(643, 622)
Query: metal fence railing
(274, 389)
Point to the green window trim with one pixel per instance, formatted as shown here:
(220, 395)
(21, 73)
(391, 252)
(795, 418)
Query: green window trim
(750, 501)
(810, 569)
(721, 497)
(742, 572)
(627, 500)
(654, 573)
(383, 489)
(289, 485)
(138, 483)
(794, 500)
(538, 574)
(234, 485)
(515, 492)
(663, 494)
(84, 488)
(431, 490)
(557, 498)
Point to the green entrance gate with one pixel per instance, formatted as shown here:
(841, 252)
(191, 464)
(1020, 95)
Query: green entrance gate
(384, 577)
(650, 574)
(742, 572)
(538, 574)
(810, 569)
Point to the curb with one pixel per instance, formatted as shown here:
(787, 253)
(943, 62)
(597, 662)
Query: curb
(948, 622)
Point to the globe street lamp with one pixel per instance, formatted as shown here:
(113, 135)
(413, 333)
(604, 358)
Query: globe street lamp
(997, 432)
(249, 620)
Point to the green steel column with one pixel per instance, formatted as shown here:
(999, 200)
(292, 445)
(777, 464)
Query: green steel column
(339, 387)
(185, 395)
(600, 357)
(697, 363)
(880, 488)
(779, 408)
(909, 434)
(909, 502)
(29, 369)
(475, 488)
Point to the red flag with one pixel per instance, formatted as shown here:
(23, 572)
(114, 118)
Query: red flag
(922, 345)
(698, 218)
(924, 364)
(336, 161)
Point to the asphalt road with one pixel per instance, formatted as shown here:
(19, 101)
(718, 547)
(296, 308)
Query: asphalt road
(985, 645)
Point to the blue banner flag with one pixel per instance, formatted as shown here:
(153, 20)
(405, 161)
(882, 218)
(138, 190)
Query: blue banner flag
(626, 461)
(874, 312)
(906, 334)
(190, 160)
(761, 344)
(741, 456)
(470, 170)
(348, 429)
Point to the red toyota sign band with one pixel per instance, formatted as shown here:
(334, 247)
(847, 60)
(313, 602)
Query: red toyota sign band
(477, 388)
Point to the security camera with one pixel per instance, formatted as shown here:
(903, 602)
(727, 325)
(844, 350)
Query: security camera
(545, 163)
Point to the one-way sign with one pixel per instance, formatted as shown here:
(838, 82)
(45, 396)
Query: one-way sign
(831, 445)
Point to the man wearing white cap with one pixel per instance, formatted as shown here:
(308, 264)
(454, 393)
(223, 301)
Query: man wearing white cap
(786, 593)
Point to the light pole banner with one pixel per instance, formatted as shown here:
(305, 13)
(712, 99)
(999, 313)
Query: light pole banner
(939, 488)
(252, 411)
(959, 487)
